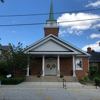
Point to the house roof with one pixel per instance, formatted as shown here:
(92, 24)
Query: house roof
(95, 57)
(6, 48)
(65, 47)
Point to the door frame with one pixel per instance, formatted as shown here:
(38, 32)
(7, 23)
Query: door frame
(49, 61)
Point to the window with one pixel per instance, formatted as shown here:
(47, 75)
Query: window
(95, 65)
(78, 64)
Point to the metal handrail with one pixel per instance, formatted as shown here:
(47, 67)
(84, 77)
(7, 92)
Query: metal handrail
(64, 83)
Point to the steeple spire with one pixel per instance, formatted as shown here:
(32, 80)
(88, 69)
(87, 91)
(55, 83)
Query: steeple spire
(51, 16)
(51, 26)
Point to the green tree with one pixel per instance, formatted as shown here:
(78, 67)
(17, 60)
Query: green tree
(2, 1)
(15, 60)
(92, 73)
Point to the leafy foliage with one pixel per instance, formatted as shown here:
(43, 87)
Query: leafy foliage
(11, 81)
(2, 1)
(84, 80)
(92, 73)
(14, 60)
(97, 81)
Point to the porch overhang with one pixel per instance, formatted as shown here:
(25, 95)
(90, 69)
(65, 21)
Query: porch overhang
(54, 53)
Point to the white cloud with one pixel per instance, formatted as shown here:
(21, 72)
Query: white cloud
(94, 35)
(95, 4)
(13, 31)
(62, 32)
(94, 46)
(95, 26)
(78, 26)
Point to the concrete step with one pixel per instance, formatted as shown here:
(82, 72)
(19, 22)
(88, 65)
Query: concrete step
(33, 79)
(69, 79)
(50, 79)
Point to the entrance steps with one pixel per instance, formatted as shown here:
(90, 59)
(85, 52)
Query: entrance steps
(69, 79)
(50, 79)
(33, 79)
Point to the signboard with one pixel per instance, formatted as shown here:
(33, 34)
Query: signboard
(9, 75)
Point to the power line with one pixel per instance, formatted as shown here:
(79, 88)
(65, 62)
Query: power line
(45, 23)
(48, 13)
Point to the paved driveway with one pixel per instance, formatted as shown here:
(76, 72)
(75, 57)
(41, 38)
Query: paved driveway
(43, 94)
(49, 91)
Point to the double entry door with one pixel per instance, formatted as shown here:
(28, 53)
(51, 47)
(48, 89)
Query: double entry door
(51, 67)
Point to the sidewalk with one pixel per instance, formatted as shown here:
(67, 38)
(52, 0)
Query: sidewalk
(49, 85)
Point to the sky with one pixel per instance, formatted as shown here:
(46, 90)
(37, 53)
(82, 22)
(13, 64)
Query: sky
(81, 34)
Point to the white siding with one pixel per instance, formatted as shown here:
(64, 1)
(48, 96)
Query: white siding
(50, 46)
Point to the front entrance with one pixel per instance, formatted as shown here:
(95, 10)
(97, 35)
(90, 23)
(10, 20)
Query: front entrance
(50, 67)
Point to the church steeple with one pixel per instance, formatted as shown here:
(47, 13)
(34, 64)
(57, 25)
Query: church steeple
(51, 26)
(51, 16)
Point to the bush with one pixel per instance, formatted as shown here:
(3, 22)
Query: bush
(39, 75)
(84, 80)
(11, 81)
(97, 81)
(92, 73)
(61, 75)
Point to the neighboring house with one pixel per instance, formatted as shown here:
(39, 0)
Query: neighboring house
(54, 55)
(6, 48)
(94, 59)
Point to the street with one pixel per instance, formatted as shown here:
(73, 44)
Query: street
(50, 94)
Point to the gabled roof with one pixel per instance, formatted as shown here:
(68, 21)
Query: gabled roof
(6, 48)
(70, 49)
(95, 57)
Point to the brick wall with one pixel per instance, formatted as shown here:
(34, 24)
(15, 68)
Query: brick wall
(66, 65)
(53, 31)
(82, 73)
(19, 73)
(36, 67)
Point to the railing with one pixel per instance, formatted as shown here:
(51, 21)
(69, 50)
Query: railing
(64, 83)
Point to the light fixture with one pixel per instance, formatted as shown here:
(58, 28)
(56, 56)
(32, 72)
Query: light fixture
(51, 58)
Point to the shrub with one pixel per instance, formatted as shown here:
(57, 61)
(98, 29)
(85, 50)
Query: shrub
(97, 81)
(39, 75)
(11, 81)
(61, 75)
(92, 73)
(84, 80)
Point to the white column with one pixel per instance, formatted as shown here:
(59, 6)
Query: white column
(43, 61)
(58, 64)
(27, 70)
(74, 74)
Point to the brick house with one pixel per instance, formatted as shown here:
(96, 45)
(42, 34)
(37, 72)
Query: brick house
(94, 59)
(5, 48)
(54, 55)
